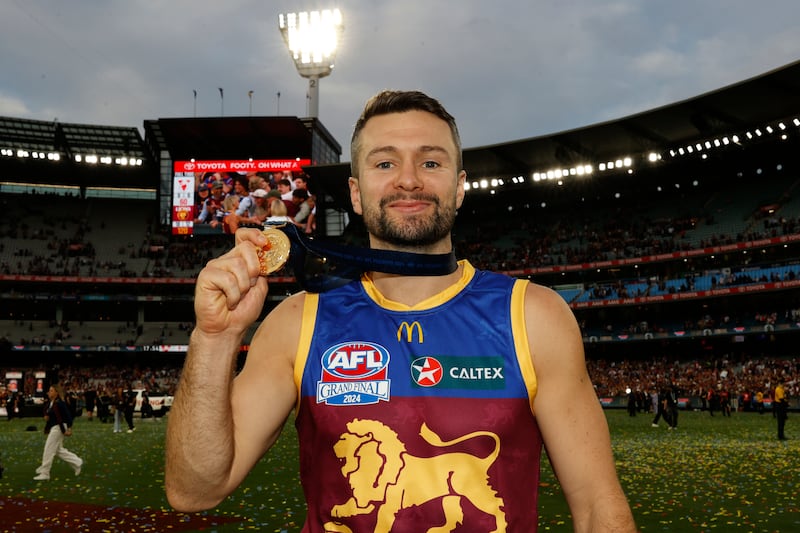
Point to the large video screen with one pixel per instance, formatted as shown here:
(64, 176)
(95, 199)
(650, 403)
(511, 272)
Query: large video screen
(193, 183)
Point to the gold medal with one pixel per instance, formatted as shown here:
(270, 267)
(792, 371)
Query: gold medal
(274, 254)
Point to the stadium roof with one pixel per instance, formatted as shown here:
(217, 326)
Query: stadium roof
(70, 138)
(738, 108)
(49, 152)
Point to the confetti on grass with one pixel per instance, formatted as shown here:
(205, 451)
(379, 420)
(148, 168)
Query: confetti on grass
(22, 515)
(711, 474)
(728, 475)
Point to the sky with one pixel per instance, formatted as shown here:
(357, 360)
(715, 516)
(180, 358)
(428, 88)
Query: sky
(507, 70)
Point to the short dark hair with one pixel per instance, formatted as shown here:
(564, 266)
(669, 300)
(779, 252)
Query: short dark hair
(386, 102)
(300, 193)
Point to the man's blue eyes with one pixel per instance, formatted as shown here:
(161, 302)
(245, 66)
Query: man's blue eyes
(426, 164)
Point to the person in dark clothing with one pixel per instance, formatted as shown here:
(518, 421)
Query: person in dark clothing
(672, 407)
(631, 403)
(90, 398)
(725, 402)
(104, 404)
(662, 408)
(14, 406)
(119, 409)
(711, 400)
(147, 409)
(129, 407)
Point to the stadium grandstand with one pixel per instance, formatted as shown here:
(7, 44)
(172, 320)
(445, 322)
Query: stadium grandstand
(674, 234)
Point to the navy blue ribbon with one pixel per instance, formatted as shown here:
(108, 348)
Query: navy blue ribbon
(320, 266)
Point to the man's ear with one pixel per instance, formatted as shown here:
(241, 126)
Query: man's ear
(355, 195)
(460, 191)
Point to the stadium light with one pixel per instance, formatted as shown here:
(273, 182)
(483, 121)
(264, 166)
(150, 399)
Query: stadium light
(312, 38)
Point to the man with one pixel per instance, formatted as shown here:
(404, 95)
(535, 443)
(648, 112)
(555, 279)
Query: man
(252, 211)
(212, 211)
(285, 188)
(661, 410)
(303, 208)
(200, 199)
(130, 408)
(422, 401)
(301, 182)
(672, 406)
(310, 224)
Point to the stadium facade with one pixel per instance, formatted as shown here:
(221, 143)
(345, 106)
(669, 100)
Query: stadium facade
(673, 231)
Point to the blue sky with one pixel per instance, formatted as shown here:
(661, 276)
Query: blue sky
(506, 69)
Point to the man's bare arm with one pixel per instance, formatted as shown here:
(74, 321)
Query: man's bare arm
(219, 427)
(572, 422)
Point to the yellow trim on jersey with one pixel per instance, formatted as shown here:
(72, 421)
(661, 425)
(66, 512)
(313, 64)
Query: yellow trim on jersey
(520, 333)
(310, 304)
(438, 299)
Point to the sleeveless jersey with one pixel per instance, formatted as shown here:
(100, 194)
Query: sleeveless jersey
(417, 417)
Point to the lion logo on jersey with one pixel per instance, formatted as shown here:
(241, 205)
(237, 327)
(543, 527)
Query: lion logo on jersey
(385, 478)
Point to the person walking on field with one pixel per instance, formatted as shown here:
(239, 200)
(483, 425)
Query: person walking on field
(661, 408)
(58, 424)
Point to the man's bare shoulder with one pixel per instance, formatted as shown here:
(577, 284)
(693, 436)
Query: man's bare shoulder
(539, 298)
(552, 328)
(290, 308)
(279, 332)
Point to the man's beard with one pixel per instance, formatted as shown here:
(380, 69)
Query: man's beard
(412, 231)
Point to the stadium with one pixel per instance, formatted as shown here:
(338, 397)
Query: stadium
(673, 234)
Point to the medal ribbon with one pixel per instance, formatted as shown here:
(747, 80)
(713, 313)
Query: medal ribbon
(320, 266)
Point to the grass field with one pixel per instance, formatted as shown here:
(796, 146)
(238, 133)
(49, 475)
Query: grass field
(712, 474)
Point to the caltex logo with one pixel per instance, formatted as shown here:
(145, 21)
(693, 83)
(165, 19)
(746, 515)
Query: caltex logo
(426, 371)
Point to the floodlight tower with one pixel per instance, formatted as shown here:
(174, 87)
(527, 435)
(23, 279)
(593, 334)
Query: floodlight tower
(312, 38)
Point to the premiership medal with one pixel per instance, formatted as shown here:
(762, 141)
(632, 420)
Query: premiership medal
(274, 254)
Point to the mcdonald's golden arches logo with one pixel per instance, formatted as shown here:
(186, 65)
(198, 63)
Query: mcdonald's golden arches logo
(409, 330)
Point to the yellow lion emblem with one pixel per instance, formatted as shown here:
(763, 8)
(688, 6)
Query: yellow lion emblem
(385, 478)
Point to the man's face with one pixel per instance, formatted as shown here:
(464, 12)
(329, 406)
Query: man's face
(299, 183)
(410, 186)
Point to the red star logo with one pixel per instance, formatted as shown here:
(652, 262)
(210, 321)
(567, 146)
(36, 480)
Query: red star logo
(426, 371)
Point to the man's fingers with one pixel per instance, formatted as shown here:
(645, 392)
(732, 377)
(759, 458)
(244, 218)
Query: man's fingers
(229, 275)
(225, 284)
(252, 235)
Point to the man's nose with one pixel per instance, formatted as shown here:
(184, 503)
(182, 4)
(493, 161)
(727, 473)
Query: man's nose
(408, 177)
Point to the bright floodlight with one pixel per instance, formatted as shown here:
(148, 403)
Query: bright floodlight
(312, 38)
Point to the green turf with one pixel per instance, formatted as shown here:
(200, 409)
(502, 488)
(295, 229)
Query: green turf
(712, 474)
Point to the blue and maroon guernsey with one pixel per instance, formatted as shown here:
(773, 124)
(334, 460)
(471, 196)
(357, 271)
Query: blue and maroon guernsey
(411, 418)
